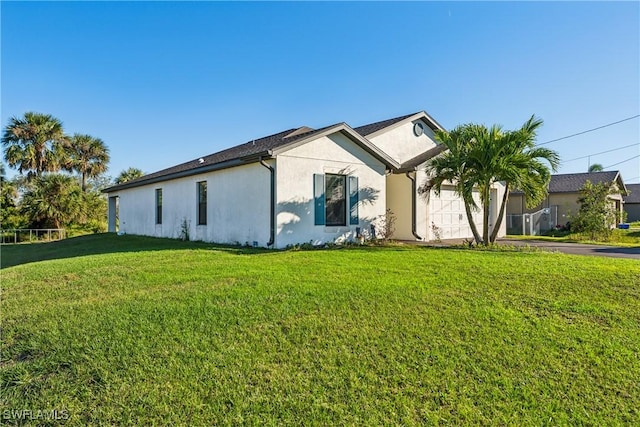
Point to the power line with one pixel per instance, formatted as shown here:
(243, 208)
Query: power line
(590, 130)
(602, 152)
(624, 161)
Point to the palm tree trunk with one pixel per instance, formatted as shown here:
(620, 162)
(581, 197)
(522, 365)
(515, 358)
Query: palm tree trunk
(485, 214)
(84, 182)
(472, 224)
(496, 226)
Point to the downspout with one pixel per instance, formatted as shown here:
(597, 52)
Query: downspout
(413, 206)
(272, 219)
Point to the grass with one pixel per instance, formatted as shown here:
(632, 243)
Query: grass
(132, 330)
(621, 238)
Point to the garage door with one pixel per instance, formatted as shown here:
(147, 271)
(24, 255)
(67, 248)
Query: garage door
(448, 218)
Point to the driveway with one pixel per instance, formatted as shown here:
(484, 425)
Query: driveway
(577, 248)
(567, 248)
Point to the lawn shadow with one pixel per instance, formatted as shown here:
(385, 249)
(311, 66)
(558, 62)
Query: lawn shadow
(622, 251)
(105, 243)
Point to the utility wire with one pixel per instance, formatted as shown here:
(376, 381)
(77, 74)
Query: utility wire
(590, 130)
(602, 152)
(624, 161)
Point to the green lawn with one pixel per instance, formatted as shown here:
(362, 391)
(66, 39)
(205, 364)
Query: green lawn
(621, 238)
(141, 331)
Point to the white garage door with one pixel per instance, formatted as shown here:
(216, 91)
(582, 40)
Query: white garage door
(448, 217)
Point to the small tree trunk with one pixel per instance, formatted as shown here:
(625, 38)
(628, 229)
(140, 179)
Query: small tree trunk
(472, 224)
(496, 226)
(84, 182)
(485, 214)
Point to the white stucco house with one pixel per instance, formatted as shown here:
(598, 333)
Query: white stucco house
(297, 186)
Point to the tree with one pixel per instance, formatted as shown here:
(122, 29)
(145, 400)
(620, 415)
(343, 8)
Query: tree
(478, 157)
(596, 214)
(451, 167)
(86, 155)
(129, 175)
(34, 144)
(519, 165)
(52, 201)
(596, 167)
(9, 213)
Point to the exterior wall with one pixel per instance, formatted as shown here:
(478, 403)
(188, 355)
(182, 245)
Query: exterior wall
(402, 144)
(399, 202)
(633, 211)
(335, 154)
(440, 216)
(237, 207)
(515, 205)
(567, 204)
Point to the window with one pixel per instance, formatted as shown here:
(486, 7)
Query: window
(159, 206)
(331, 201)
(335, 200)
(202, 203)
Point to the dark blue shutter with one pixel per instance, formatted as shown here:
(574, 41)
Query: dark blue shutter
(353, 200)
(318, 196)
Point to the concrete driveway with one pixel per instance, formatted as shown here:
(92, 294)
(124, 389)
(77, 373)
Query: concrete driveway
(577, 248)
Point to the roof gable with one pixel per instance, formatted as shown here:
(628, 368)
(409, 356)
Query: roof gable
(374, 129)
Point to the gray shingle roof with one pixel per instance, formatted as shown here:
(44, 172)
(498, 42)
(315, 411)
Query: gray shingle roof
(634, 193)
(421, 158)
(237, 153)
(375, 127)
(251, 150)
(573, 182)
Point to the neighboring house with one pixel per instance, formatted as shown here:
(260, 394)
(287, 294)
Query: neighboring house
(632, 202)
(300, 185)
(564, 191)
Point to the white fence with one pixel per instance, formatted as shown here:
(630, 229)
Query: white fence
(32, 235)
(533, 224)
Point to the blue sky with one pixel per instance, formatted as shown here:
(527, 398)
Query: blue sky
(162, 83)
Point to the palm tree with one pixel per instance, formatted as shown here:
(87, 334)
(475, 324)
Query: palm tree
(34, 143)
(451, 167)
(484, 158)
(596, 167)
(128, 175)
(524, 166)
(87, 155)
(53, 200)
(478, 157)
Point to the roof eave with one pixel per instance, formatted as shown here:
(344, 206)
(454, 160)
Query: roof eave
(190, 172)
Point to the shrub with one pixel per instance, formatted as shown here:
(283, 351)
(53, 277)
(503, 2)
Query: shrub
(596, 215)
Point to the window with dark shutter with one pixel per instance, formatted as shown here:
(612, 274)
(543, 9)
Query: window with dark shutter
(335, 200)
(202, 203)
(353, 200)
(318, 196)
(159, 206)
